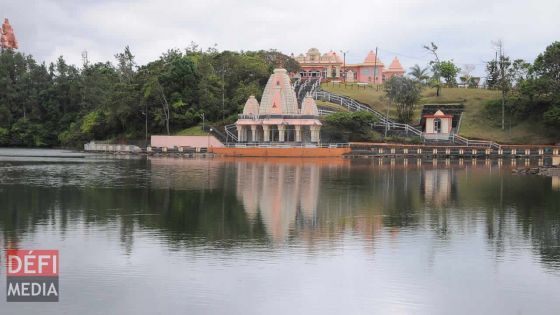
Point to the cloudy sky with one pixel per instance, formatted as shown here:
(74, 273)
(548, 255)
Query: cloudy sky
(462, 29)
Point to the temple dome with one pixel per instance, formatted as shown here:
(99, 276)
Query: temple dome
(331, 56)
(251, 106)
(396, 65)
(309, 107)
(372, 58)
(279, 97)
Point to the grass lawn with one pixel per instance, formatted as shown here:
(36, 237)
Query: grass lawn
(475, 123)
(192, 131)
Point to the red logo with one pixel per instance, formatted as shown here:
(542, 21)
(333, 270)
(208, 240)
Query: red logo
(32, 263)
(32, 275)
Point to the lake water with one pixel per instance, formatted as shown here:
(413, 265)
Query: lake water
(143, 235)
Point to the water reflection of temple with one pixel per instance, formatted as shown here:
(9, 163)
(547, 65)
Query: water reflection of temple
(438, 186)
(556, 183)
(280, 194)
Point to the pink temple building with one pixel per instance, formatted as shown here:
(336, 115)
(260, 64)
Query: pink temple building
(279, 117)
(7, 36)
(330, 66)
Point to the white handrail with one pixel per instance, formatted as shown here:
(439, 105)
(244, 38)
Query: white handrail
(353, 105)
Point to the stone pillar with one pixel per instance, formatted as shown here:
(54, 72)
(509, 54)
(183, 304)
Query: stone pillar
(298, 133)
(315, 133)
(266, 133)
(281, 133)
(239, 133)
(337, 69)
(254, 133)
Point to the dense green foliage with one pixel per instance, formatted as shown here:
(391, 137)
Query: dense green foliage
(404, 93)
(348, 126)
(448, 71)
(533, 91)
(61, 104)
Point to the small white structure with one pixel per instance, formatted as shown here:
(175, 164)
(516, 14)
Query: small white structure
(438, 126)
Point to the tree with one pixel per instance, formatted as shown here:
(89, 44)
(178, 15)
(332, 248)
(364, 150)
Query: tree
(547, 68)
(421, 75)
(436, 77)
(404, 93)
(448, 71)
(492, 74)
(546, 72)
(503, 74)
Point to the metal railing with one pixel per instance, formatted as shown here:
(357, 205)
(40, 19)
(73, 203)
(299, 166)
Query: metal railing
(353, 105)
(286, 145)
(474, 143)
(324, 112)
(231, 132)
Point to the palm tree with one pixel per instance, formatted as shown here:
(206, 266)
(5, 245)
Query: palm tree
(419, 74)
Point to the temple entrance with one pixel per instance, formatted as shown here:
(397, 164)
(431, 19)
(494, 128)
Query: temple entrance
(290, 134)
(437, 125)
(274, 134)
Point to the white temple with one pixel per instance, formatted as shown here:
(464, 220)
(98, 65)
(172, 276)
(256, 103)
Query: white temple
(279, 117)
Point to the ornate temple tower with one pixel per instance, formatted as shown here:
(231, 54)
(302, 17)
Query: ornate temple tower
(278, 117)
(8, 38)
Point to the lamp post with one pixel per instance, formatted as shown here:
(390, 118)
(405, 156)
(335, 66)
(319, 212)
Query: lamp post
(344, 52)
(202, 116)
(224, 70)
(208, 140)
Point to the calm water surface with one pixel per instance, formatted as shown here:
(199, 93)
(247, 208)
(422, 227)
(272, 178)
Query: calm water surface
(282, 236)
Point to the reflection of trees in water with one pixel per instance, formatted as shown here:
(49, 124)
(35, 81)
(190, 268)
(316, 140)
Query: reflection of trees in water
(227, 202)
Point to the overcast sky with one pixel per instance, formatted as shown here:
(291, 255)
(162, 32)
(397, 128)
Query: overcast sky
(462, 29)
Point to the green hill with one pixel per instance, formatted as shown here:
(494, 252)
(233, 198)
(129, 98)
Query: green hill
(476, 123)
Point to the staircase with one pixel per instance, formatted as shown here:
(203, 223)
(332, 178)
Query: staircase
(353, 105)
(392, 126)
(231, 133)
(306, 87)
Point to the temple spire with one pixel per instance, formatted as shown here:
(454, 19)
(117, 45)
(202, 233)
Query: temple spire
(7, 36)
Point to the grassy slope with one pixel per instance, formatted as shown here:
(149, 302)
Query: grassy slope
(332, 106)
(475, 124)
(192, 131)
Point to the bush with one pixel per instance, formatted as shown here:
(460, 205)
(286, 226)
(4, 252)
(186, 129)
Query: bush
(28, 134)
(404, 140)
(493, 110)
(348, 126)
(4, 136)
(552, 117)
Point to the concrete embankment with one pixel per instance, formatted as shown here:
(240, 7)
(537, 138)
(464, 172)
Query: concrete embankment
(452, 151)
